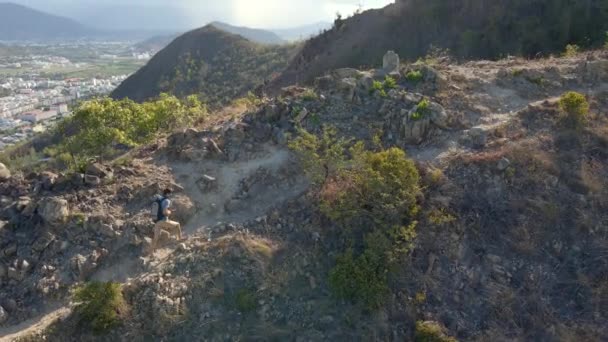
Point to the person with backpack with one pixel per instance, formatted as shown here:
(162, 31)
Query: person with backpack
(162, 222)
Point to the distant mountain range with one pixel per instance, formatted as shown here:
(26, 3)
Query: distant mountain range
(23, 23)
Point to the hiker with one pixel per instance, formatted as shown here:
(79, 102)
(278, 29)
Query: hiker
(162, 219)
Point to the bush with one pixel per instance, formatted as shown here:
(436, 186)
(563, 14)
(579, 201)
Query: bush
(575, 106)
(421, 110)
(571, 50)
(389, 83)
(101, 306)
(431, 332)
(361, 279)
(378, 87)
(98, 126)
(373, 196)
(320, 157)
(414, 76)
(245, 300)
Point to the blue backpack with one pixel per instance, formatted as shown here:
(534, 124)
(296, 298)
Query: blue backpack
(159, 208)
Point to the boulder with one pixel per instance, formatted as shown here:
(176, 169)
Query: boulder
(390, 62)
(347, 87)
(324, 83)
(92, 180)
(43, 242)
(503, 164)
(183, 209)
(10, 250)
(347, 73)
(478, 137)
(99, 170)
(54, 210)
(207, 183)
(365, 84)
(47, 180)
(3, 315)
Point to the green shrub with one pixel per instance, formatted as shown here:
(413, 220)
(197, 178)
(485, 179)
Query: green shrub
(310, 95)
(369, 194)
(378, 87)
(571, 50)
(389, 83)
(431, 332)
(320, 156)
(245, 300)
(575, 106)
(422, 109)
(359, 279)
(101, 305)
(414, 76)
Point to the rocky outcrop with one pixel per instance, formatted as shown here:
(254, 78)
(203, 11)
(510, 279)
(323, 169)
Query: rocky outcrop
(54, 211)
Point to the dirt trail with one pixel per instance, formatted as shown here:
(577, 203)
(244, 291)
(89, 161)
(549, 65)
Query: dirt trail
(210, 204)
(34, 325)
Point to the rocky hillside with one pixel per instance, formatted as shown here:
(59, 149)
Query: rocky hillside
(217, 65)
(479, 29)
(509, 237)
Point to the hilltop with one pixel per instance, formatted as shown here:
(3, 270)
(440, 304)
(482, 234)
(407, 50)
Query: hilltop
(215, 64)
(447, 199)
(477, 30)
(22, 23)
(255, 35)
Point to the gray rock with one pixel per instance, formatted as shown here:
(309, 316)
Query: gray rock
(5, 173)
(106, 230)
(503, 164)
(3, 271)
(10, 250)
(390, 62)
(208, 183)
(324, 83)
(347, 73)
(438, 115)
(43, 242)
(3, 315)
(365, 84)
(478, 136)
(14, 274)
(9, 305)
(47, 180)
(54, 210)
(92, 180)
(347, 87)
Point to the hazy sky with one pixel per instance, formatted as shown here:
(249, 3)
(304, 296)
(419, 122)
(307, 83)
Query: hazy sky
(194, 13)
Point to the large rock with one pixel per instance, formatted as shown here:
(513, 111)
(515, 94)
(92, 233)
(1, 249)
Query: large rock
(92, 180)
(54, 210)
(3, 315)
(347, 73)
(183, 209)
(347, 88)
(5, 173)
(47, 180)
(99, 170)
(390, 62)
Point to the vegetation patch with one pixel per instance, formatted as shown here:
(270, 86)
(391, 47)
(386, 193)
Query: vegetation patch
(414, 76)
(422, 110)
(372, 197)
(101, 306)
(576, 108)
(245, 300)
(431, 332)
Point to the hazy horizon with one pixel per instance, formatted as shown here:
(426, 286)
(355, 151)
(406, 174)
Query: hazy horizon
(182, 15)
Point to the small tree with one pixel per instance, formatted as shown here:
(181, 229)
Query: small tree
(101, 305)
(575, 106)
